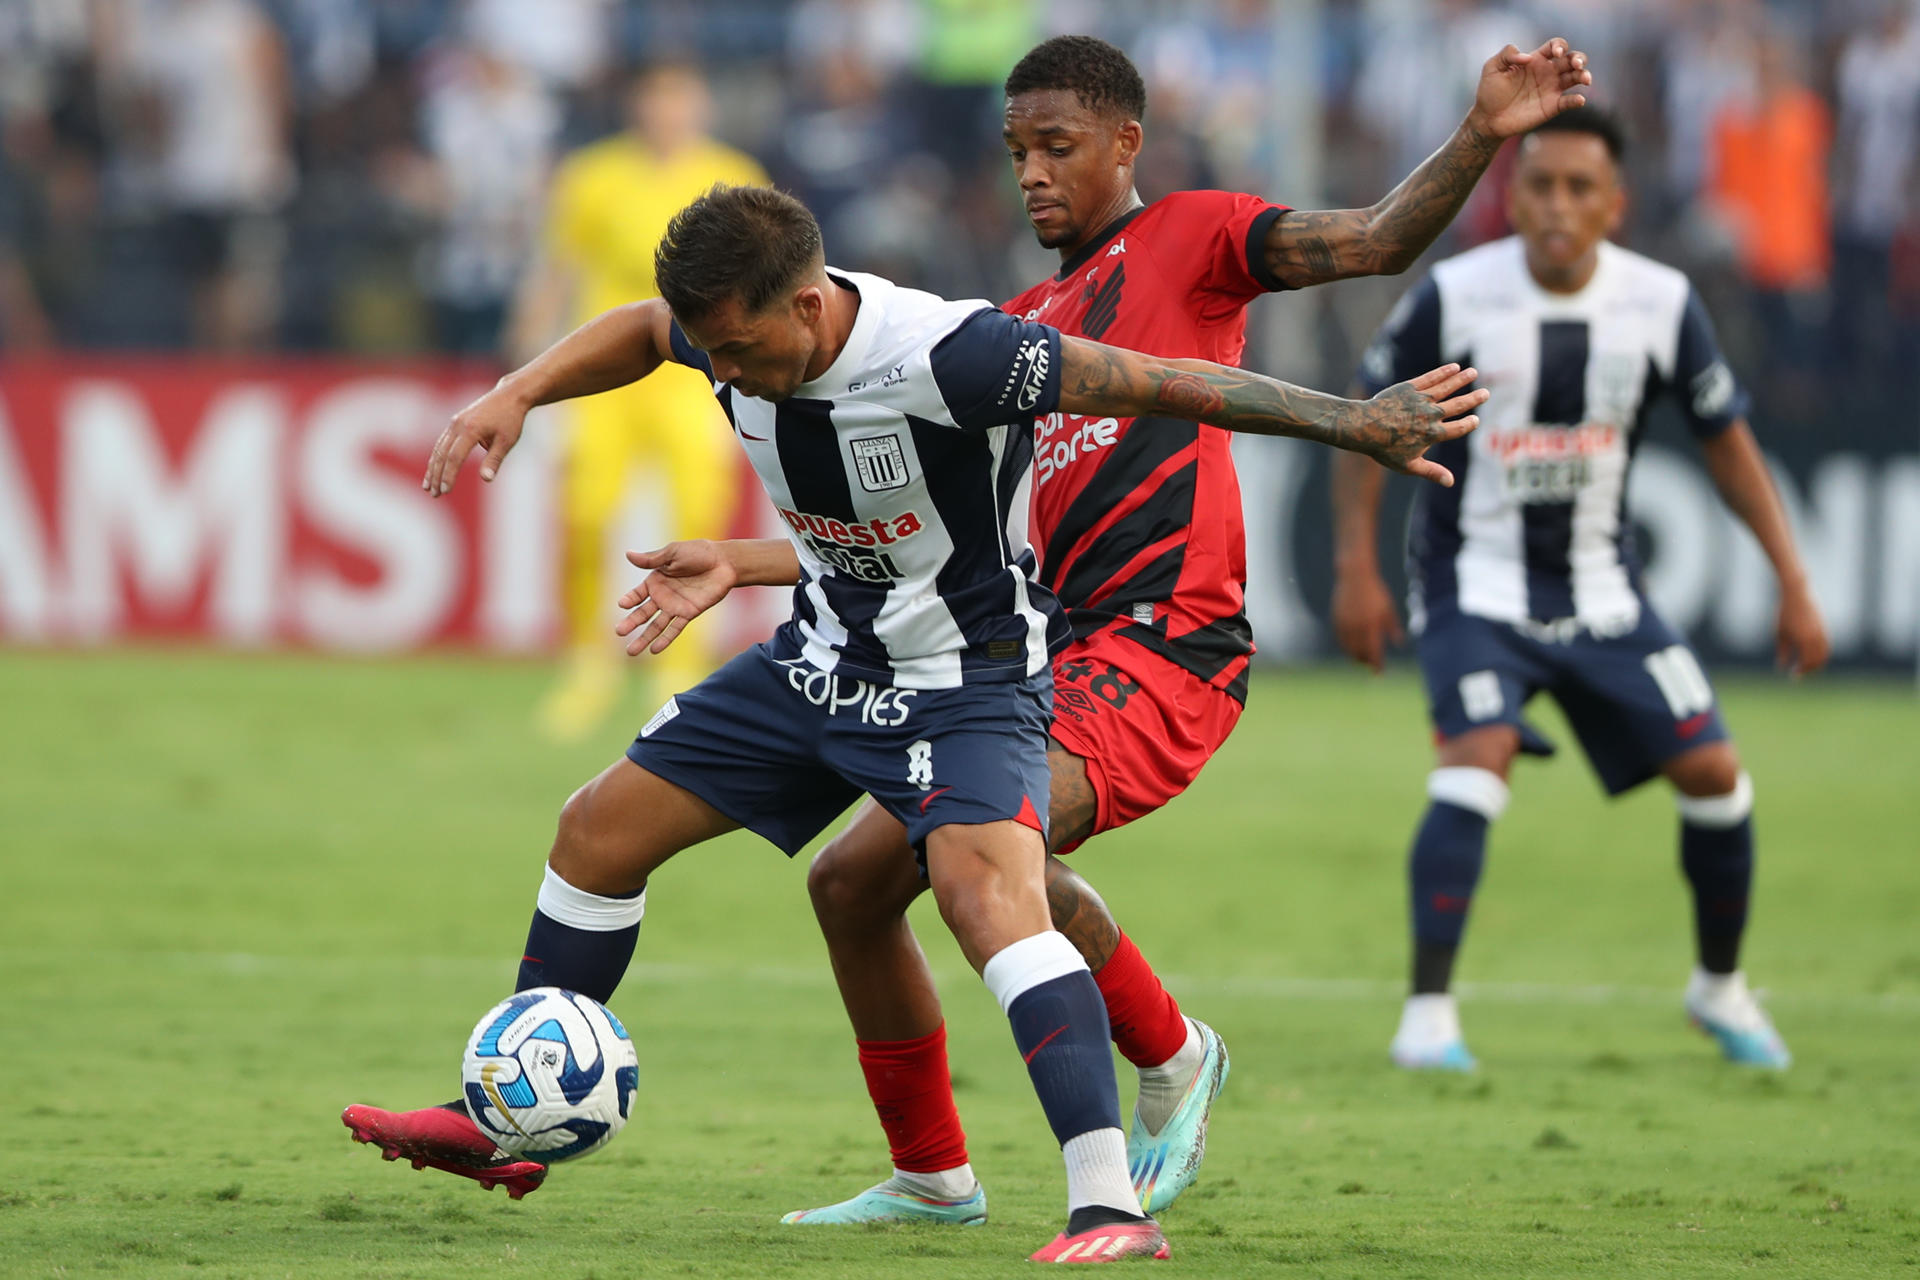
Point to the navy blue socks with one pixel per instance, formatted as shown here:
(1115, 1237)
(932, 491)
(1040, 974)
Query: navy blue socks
(579, 940)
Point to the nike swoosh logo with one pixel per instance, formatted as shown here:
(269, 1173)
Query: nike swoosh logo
(934, 796)
(1028, 1057)
(748, 435)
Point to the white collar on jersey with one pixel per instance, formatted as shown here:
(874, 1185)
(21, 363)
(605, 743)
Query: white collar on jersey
(853, 356)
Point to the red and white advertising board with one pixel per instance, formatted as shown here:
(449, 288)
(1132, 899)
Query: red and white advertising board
(261, 503)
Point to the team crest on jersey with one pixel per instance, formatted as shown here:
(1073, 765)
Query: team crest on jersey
(882, 463)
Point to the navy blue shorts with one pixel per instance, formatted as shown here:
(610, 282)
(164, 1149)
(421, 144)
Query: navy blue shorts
(1634, 700)
(783, 748)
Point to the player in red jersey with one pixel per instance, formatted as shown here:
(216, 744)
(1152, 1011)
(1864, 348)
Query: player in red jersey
(1140, 536)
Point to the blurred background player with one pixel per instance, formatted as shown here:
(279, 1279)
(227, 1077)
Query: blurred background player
(1140, 536)
(610, 203)
(1525, 576)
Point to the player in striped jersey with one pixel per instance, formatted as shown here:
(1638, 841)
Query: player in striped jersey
(891, 429)
(1524, 576)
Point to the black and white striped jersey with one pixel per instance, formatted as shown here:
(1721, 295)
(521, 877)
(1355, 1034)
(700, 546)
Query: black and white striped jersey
(903, 476)
(1534, 527)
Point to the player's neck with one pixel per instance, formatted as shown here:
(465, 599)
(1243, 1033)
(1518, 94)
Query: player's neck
(836, 326)
(1570, 279)
(1114, 210)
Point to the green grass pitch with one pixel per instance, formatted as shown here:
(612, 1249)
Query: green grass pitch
(240, 892)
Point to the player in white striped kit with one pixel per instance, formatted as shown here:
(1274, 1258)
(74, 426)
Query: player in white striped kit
(893, 429)
(1524, 576)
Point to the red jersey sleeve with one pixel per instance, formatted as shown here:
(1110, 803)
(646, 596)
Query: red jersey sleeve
(1216, 240)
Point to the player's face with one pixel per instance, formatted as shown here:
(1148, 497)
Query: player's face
(763, 354)
(1075, 167)
(1565, 199)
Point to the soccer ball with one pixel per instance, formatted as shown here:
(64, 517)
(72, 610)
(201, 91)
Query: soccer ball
(548, 1074)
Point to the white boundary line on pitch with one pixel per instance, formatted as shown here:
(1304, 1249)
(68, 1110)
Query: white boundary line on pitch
(1330, 990)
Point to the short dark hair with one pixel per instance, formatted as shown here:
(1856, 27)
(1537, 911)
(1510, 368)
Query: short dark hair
(749, 245)
(1596, 121)
(1103, 78)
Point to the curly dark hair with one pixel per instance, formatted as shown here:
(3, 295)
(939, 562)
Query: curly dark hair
(1103, 78)
(749, 245)
(1597, 121)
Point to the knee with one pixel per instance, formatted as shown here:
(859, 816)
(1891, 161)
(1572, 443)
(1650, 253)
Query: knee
(1728, 805)
(847, 895)
(1711, 772)
(589, 856)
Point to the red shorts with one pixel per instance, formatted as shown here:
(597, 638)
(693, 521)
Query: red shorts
(1143, 725)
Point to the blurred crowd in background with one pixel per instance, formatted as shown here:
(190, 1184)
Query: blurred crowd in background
(367, 176)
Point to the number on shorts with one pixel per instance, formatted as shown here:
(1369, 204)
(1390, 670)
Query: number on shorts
(920, 764)
(1682, 683)
(1480, 695)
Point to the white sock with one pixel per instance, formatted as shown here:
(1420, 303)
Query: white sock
(1162, 1087)
(1725, 997)
(1429, 1020)
(1097, 1172)
(942, 1184)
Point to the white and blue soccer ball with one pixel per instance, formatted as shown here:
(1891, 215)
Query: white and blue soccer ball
(549, 1074)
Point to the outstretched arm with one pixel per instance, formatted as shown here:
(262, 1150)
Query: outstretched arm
(1739, 472)
(1394, 428)
(612, 349)
(1517, 92)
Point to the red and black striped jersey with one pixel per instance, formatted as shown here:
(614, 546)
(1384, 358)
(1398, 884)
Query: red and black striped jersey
(1138, 521)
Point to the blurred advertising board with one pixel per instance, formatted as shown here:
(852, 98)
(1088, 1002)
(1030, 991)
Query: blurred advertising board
(257, 503)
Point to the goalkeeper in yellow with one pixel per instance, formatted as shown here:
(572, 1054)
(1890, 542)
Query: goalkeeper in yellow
(610, 202)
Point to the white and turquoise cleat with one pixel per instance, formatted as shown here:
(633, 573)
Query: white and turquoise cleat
(892, 1201)
(1429, 1037)
(1164, 1164)
(1723, 1007)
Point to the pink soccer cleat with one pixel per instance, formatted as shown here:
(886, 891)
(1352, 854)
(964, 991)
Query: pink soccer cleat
(1108, 1244)
(446, 1139)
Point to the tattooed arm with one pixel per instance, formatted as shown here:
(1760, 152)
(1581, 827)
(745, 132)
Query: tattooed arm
(1517, 92)
(1394, 428)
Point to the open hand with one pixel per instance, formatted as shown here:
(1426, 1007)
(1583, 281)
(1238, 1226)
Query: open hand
(1519, 91)
(687, 579)
(492, 422)
(1400, 424)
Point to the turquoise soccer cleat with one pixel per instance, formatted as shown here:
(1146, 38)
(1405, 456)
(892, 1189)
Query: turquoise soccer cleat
(1429, 1036)
(1164, 1164)
(1723, 1007)
(892, 1202)
(1451, 1056)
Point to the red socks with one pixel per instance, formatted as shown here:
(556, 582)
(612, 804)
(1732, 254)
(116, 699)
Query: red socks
(912, 1091)
(1147, 1025)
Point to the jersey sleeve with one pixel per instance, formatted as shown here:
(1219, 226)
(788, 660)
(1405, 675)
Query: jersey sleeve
(1710, 397)
(993, 369)
(1408, 344)
(1217, 241)
(683, 352)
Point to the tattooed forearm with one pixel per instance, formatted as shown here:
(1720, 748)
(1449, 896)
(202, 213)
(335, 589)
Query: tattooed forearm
(1187, 395)
(1306, 247)
(1394, 427)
